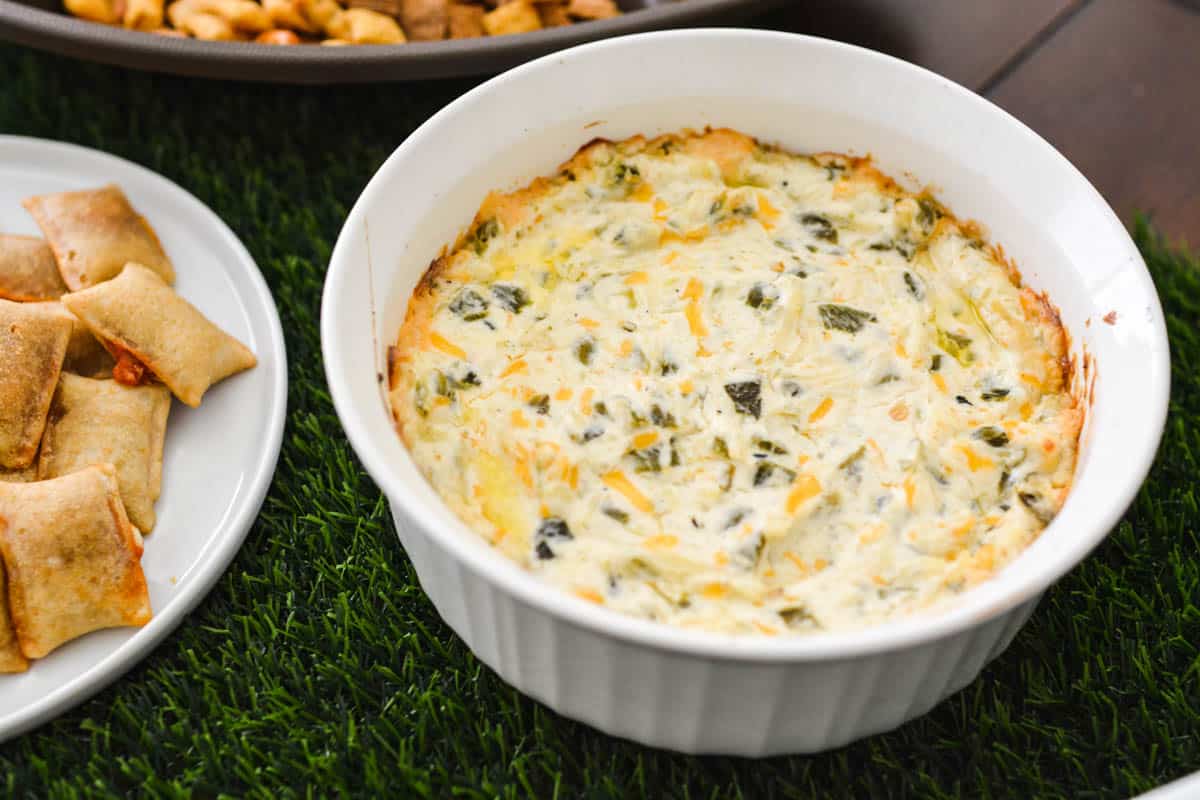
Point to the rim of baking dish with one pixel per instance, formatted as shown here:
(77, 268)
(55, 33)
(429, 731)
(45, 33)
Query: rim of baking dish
(1002, 592)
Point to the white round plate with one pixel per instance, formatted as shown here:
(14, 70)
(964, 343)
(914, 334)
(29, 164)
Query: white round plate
(218, 459)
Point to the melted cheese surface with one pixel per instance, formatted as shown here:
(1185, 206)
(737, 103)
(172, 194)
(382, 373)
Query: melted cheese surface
(711, 383)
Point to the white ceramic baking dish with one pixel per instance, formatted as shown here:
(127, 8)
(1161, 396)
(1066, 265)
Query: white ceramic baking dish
(699, 692)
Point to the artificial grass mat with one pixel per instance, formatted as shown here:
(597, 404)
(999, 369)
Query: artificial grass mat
(318, 668)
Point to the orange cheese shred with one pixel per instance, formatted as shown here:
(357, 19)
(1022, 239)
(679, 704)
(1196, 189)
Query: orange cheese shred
(963, 529)
(660, 210)
(646, 439)
(767, 213)
(806, 487)
(821, 410)
(797, 561)
(617, 481)
(975, 462)
(523, 472)
(695, 320)
(643, 193)
(591, 595)
(514, 367)
(446, 346)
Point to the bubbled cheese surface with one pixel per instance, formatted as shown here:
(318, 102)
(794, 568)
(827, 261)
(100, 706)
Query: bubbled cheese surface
(714, 384)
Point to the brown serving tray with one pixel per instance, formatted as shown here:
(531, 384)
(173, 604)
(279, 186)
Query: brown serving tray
(44, 25)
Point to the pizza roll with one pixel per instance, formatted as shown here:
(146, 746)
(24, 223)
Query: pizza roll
(72, 559)
(94, 233)
(22, 475)
(208, 27)
(466, 22)
(389, 7)
(11, 659)
(553, 14)
(27, 270)
(425, 20)
(105, 11)
(33, 342)
(517, 16)
(287, 14)
(147, 326)
(278, 37)
(143, 15)
(364, 26)
(244, 15)
(592, 9)
(319, 13)
(85, 354)
(103, 422)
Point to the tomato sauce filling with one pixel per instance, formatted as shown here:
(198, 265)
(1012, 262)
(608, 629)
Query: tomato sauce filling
(128, 370)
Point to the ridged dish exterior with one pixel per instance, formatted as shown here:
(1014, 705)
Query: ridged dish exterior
(687, 703)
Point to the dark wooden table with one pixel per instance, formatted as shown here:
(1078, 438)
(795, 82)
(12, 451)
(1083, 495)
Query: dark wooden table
(1113, 84)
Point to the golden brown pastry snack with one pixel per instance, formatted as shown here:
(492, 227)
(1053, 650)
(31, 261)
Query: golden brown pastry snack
(72, 559)
(553, 13)
(364, 26)
(319, 13)
(33, 342)
(466, 21)
(93, 234)
(593, 9)
(145, 324)
(11, 659)
(105, 11)
(243, 17)
(27, 270)
(425, 20)
(287, 14)
(517, 16)
(22, 475)
(103, 422)
(85, 354)
(143, 15)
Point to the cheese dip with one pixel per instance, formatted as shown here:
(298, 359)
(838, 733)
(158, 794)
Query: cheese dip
(708, 382)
